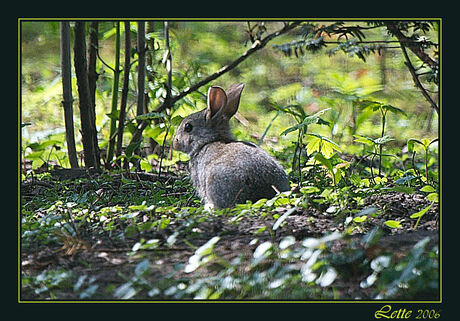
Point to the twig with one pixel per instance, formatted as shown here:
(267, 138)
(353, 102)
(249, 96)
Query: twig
(416, 80)
(410, 43)
(168, 62)
(255, 47)
(162, 150)
(102, 60)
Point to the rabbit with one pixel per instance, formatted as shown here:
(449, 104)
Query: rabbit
(224, 171)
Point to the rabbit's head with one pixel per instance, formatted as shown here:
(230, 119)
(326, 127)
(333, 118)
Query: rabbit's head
(210, 124)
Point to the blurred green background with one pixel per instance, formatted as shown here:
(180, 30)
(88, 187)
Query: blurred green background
(313, 80)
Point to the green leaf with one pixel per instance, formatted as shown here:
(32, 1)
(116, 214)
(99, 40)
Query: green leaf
(125, 291)
(291, 129)
(309, 189)
(360, 219)
(410, 144)
(394, 109)
(355, 179)
(146, 166)
(283, 218)
(313, 145)
(324, 161)
(369, 104)
(428, 189)
(404, 180)
(393, 224)
(176, 120)
(313, 119)
(42, 145)
(207, 248)
(288, 110)
(337, 174)
(263, 250)
(419, 214)
(142, 267)
(286, 242)
(365, 140)
(321, 144)
(433, 197)
(422, 212)
(383, 140)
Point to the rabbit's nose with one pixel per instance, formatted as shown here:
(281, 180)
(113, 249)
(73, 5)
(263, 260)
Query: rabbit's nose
(176, 143)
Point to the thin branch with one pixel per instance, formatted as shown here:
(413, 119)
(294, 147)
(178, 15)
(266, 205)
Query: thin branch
(255, 47)
(364, 41)
(102, 60)
(168, 62)
(411, 44)
(67, 102)
(416, 80)
(141, 68)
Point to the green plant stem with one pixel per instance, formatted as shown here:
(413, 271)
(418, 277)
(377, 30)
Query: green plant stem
(426, 165)
(300, 144)
(372, 166)
(116, 79)
(168, 125)
(381, 145)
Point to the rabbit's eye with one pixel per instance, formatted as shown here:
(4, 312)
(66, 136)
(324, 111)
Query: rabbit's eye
(188, 127)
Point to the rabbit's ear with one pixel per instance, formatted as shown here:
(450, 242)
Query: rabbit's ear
(233, 99)
(217, 99)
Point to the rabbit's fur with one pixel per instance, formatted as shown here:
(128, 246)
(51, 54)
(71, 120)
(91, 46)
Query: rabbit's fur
(226, 172)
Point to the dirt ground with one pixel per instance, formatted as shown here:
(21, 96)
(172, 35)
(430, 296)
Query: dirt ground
(108, 262)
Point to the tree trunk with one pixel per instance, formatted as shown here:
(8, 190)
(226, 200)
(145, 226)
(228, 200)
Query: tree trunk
(116, 80)
(141, 67)
(92, 79)
(81, 72)
(67, 102)
(140, 78)
(124, 91)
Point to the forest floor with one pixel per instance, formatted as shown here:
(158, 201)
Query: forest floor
(86, 231)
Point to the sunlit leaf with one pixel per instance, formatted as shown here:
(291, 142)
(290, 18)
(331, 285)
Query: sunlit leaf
(422, 212)
(206, 248)
(383, 140)
(326, 279)
(428, 189)
(263, 250)
(324, 161)
(125, 291)
(433, 197)
(309, 189)
(393, 224)
(363, 139)
(360, 219)
(286, 242)
(411, 144)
